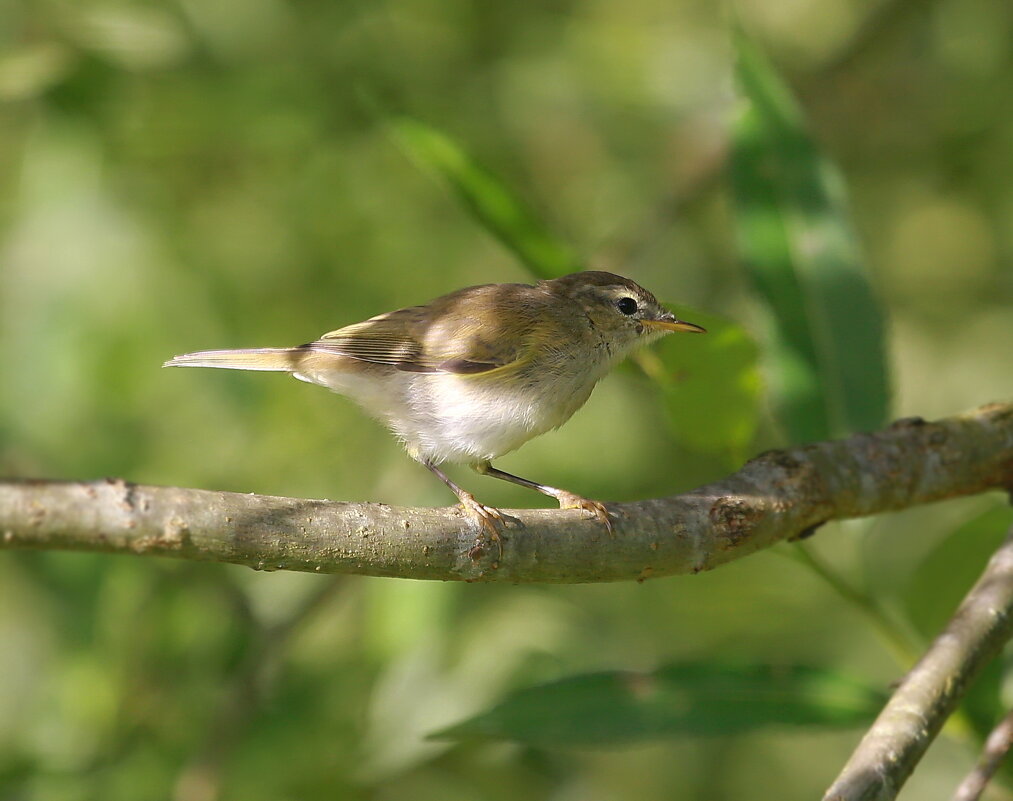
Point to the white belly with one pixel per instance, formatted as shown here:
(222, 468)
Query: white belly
(443, 417)
(459, 419)
(465, 420)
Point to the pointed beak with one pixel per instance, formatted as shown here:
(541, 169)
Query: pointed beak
(670, 323)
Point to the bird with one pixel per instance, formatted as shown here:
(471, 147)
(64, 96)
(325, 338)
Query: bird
(474, 374)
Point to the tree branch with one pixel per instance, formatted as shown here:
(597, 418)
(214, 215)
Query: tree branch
(778, 495)
(932, 689)
(996, 747)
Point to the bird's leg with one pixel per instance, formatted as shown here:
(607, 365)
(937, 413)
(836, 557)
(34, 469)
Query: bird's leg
(567, 500)
(488, 517)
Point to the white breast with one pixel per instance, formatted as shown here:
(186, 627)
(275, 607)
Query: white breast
(443, 417)
(466, 419)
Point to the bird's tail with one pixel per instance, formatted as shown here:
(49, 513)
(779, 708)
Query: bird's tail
(273, 359)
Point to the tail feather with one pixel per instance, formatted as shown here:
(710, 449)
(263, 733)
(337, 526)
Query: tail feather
(272, 359)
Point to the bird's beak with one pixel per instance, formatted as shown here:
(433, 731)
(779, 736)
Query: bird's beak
(670, 323)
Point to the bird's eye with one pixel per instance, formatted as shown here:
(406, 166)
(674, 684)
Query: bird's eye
(627, 305)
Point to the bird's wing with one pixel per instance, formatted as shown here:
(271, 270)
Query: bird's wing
(388, 339)
(415, 340)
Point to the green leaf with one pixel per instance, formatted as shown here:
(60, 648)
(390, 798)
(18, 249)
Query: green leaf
(828, 362)
(615, 708)
(948, 571)
(711, 383)
(488, 199)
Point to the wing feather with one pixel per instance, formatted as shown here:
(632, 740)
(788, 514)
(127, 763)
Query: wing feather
(416, 340)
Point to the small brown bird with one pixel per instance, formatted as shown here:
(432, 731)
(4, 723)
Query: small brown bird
(475, 374)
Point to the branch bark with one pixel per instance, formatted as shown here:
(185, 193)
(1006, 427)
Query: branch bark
(932, 689)
(996, 747)
(778, 495)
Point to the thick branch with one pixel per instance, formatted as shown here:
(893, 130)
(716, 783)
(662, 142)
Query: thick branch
(778, 495)
(932, 689)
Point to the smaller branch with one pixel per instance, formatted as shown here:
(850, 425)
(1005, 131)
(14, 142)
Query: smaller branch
(932, 689)
(996, 747)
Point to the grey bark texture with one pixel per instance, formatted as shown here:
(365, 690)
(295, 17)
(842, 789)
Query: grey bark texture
(776, 496)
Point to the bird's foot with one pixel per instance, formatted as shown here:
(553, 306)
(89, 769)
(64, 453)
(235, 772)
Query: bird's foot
(569, 500)
(491, 519)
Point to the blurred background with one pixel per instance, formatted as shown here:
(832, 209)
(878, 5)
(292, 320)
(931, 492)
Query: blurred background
(187, 175)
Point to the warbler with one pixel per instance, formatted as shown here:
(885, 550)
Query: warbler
(475, 374)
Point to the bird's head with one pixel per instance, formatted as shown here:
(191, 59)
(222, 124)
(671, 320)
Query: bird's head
(621, 310)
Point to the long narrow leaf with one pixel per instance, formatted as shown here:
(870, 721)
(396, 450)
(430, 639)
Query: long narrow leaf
(828, 370)
(615, 709)
(499, 210)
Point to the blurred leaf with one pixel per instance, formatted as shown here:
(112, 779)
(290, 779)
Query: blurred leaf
(30, 70)
(711, 383)
(612, 709)
(504, 214)
(134, 37)
(983, 702)
(829, 373)
(948, 571)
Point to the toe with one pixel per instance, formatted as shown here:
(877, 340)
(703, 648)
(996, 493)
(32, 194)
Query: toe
(602, 513)
(489, 518)
(597, 508)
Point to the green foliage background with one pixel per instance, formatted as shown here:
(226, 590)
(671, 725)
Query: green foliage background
(178, 176)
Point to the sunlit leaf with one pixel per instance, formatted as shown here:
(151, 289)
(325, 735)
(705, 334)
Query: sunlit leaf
(827, 358)
(135, 37)
(498, 209)
(711, 383)
(615, 708)
(30, 70)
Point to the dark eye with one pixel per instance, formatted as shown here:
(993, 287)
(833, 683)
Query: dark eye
(627, 305)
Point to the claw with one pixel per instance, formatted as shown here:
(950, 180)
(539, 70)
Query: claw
(568, 500)
(488, 517)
